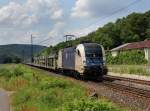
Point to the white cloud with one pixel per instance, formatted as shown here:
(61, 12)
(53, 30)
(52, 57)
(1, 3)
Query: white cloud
(19, 19)
(96, 8)
(29, 13)
(51, 8)
(15, 14)
(57, 14)
(57, 29)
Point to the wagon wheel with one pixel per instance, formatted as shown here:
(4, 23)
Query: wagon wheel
(83, 78)
(77, 75)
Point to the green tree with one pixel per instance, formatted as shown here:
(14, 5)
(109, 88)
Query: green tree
(135, 27)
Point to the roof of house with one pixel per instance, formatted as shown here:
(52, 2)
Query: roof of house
(134, 45)
(120, 47)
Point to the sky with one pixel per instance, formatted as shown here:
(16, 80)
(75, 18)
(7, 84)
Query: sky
(49, 20)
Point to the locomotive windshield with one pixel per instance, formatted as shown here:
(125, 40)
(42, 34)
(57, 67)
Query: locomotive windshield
(93, 54)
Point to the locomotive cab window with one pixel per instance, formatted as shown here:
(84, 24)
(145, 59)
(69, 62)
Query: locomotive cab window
(93, 54)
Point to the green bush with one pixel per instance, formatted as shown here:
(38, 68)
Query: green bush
(53, 83)
(22, 97)
(91, 105)
(5, 73)
(127, 57)
(18, 71)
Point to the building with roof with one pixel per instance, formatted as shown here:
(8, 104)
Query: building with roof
(143, 45)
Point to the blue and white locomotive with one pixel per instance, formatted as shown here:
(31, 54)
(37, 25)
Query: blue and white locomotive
(83, 60)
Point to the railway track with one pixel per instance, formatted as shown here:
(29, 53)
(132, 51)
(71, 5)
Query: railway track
(138, 81)
(108, 81)
(128, 89)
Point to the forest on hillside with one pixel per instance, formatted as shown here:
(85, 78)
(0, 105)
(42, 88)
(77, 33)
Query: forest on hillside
(132, 28)
(17, 52)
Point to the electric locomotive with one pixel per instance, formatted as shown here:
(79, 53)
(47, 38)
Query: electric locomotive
(84, 60)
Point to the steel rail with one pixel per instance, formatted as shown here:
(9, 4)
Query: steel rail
(128, 89)
(138, 81)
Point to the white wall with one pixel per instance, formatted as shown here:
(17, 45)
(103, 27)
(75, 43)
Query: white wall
(114, 53)
(147, 54)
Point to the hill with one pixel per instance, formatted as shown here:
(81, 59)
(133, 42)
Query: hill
(132, 28)
(17, 52)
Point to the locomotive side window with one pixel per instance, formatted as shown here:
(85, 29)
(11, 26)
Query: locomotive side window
(78, 52)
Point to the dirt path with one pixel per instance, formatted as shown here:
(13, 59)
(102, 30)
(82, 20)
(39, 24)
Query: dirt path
(4, 101)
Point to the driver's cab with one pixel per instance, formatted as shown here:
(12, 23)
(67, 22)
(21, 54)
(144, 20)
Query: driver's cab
(79, 58)
(88, 55)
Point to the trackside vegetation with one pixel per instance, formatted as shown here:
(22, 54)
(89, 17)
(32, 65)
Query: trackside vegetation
(34, 90)
(129, 62)
(133, 57)
(130, 69)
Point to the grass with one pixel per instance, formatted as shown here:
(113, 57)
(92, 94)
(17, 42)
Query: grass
(36, 91)
(130, 69)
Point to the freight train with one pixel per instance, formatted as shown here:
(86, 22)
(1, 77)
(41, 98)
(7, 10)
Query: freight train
(86, 60)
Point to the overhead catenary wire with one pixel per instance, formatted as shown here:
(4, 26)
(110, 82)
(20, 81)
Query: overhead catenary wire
(46, 41)
(43, 41)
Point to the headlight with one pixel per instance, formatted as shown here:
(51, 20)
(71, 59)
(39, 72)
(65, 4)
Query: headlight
(104, 63)
(84, 63)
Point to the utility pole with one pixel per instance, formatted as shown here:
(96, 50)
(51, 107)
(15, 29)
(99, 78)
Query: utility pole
(23, 56)
(31, 48)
